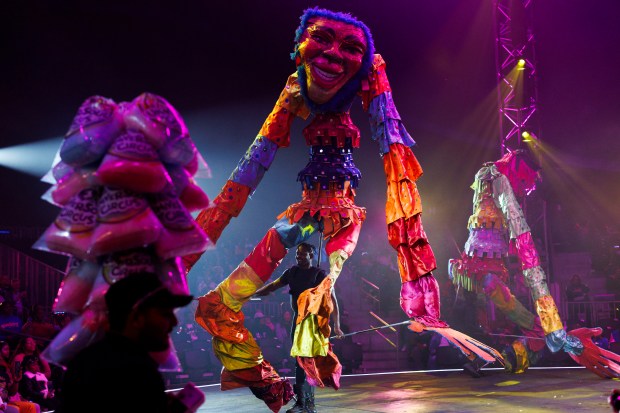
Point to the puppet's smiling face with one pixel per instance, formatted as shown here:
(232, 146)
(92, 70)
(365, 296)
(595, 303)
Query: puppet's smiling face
(331, 52)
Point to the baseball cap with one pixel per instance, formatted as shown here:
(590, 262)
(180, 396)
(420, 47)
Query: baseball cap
(142, 290)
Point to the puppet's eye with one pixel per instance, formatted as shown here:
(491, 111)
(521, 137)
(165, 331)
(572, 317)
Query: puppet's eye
(320, 37)
(353, 49)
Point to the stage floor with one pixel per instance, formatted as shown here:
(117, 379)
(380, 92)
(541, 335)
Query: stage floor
(571, 389)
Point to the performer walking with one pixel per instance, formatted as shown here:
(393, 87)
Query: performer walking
(300, 278)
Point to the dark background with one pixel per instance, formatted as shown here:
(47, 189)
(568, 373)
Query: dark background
(223, 64)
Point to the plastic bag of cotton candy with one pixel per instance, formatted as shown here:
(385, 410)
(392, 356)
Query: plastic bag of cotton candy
(124, 180)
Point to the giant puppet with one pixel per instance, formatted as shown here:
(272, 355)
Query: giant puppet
(498, 219)
(335, 60)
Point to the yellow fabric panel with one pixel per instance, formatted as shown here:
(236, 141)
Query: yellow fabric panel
(312, 331)
(523, 361)
(499, 299)
(548, 313)
(237, 356)
(336, 261)
(239, 286)
(308, 340)
(486, 215)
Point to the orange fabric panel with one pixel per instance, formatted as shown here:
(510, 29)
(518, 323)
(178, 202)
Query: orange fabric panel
(317, 301)
(219, 320)
(336, 207)
(322, 371)
(232, 198)
(213, 220)
(277, 126)
(402, 169)
(332, 129)
(486, 213)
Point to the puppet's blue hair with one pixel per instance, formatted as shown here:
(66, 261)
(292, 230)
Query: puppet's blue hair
(343, 99)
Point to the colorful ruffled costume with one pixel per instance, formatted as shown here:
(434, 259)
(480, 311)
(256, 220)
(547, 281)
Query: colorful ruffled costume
(498, 219)
(329, 182)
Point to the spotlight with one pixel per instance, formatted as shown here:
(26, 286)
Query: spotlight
(34, 158)
(521, 64)
(526, 136)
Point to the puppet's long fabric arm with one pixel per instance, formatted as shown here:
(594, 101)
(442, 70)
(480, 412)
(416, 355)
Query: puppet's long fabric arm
(419, 296)
(533, 273)
(274, 134)
(403, 204)
(578, 344)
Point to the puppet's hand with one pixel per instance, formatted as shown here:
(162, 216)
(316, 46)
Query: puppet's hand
(602, 362)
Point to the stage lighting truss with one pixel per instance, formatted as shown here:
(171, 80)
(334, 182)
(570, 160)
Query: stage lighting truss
(517, 99)
(516, 71)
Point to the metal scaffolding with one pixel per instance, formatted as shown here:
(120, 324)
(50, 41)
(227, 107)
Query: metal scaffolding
(516, 72)
(518, 99)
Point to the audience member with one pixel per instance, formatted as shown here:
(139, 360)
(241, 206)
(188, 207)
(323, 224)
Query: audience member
(283, 327)
(9, 386)
(5, 287)
(613, 283)
(270, 327)
(576, 293)
(27, 346)
(602, 340)
(141, 318)
(10, 323)
(4, 406)
(614, 400)
(253, 324)
(576, 290)
(615, 331)
(19, 296)
(34, 386)
(39, 326)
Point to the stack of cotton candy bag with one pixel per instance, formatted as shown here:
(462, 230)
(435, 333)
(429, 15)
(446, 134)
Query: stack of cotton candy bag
(124, 179)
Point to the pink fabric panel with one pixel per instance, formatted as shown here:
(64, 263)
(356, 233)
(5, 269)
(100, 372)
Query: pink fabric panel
(345, 239)
(419, 299)
(527, 251)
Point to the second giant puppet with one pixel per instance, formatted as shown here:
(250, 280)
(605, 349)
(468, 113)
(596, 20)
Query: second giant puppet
(498, 219)
(335, 60)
